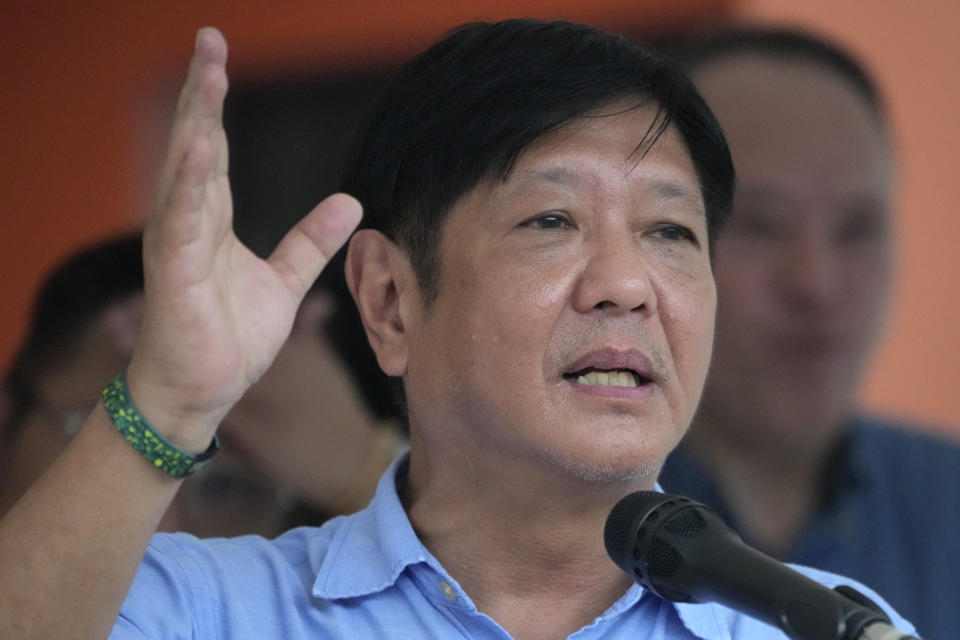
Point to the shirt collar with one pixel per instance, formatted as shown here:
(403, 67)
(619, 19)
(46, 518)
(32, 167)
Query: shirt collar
(374, 546)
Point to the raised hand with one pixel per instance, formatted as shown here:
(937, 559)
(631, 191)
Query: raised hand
(215, 314)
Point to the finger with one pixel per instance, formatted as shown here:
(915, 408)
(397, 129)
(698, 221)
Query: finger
(200, 106)
(209, 47)
(180, 221)
(307, 248)
(193, 193)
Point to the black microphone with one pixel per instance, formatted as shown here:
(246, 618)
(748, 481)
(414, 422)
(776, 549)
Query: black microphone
(681, 550)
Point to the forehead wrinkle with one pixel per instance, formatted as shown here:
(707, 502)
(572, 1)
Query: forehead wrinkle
(530, 181)
(527, 180)
(666, 191)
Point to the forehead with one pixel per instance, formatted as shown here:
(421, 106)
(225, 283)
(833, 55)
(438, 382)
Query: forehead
(617, 142)
(785, 116)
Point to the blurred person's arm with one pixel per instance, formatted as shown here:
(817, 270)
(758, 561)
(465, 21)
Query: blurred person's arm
(69, 549)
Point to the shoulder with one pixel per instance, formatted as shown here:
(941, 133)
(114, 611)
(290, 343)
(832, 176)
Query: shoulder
(913, 474)
(188, 587)
(906, 438)
(298, 552)
(915, 454)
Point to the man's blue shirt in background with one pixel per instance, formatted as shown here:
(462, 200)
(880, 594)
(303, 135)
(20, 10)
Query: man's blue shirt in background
(890, 518)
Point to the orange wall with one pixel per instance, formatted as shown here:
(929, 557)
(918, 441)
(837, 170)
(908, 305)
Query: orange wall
(914, 51)
(84, 83)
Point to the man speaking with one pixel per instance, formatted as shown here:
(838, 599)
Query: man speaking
(540, 203)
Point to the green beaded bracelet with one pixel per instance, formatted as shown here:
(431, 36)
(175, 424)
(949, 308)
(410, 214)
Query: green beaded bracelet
(150, 444)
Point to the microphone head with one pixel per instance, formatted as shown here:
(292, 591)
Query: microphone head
(682, 550)
(639, 536)
(616, 533)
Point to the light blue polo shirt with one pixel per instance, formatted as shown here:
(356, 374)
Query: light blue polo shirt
(367, 577)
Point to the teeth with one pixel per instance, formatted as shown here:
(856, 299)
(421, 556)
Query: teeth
(617, 378)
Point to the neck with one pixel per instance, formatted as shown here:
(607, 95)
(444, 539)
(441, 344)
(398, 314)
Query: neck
(771, 491)
(532, 544)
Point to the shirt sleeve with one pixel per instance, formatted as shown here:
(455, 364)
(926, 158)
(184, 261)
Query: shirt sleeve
(166, 597)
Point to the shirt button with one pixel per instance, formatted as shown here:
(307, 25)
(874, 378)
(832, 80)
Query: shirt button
(448, 591)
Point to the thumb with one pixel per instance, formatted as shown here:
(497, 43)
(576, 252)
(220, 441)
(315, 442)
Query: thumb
(308, 247)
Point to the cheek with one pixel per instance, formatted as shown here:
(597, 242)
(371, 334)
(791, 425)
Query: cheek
(746, 300)
(869, 278)
(550, 294)
(740, 275)
(481, 320)
(524, 290)
(511, 319)
(541, 280)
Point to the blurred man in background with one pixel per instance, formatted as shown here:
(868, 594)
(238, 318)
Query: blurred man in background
(803, 274)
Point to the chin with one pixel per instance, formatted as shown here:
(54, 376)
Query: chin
(610, 469)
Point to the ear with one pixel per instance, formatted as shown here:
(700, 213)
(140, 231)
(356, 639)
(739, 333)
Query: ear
(121, 322)
(381, 282)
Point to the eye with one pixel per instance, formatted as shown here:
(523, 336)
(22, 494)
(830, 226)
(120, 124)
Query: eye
(675, 233)
(552, 220)
(758, 226)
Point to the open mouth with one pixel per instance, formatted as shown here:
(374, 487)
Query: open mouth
(607, 377)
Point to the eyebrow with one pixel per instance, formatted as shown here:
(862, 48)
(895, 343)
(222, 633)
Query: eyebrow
(670, 190)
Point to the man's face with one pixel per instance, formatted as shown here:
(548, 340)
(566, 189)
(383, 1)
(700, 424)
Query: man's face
(574, 321)
(803, 269)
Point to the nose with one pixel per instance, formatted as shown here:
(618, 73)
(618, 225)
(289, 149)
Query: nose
(615, 276)
(808, 275)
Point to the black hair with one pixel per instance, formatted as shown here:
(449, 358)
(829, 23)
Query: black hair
(783, 43)
(69, 299)
(463, 110)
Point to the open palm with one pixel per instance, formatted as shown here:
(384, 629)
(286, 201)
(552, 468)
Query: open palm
(215, 314)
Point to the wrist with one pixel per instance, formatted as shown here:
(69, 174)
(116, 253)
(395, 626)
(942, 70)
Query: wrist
(144, 439)
(184, 424)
